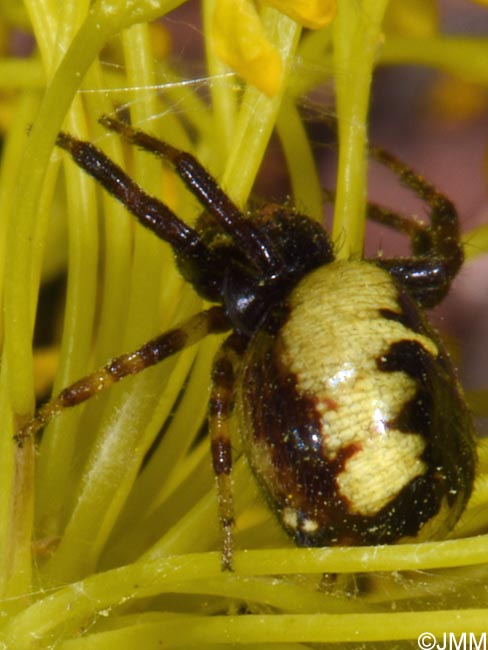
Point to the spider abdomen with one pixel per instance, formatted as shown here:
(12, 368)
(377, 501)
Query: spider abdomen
(351, 415)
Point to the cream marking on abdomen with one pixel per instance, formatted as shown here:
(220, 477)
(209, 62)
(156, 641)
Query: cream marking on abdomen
(343, 301)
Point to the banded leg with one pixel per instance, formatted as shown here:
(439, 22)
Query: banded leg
(419, 234)
(444, 228)
(438, 249)
(221, 406)
(212, 321)
(258, 250)
(444, 224)
(149, 211)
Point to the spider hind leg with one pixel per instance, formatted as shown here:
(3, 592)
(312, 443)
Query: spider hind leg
(437, 248)
(212, 321)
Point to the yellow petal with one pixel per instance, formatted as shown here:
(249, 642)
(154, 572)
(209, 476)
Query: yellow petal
(313, 14)
(241, 43)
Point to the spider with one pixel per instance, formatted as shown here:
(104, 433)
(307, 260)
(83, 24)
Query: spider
(348, 407)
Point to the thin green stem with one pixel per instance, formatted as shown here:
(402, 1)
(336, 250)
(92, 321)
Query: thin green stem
(357, 37)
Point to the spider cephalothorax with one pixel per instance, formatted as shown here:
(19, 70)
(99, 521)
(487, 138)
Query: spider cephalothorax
(349, 410)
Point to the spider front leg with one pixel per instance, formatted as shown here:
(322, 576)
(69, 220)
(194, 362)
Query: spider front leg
(212, 321)
(149, 211)
(260, 251)
(221, 406)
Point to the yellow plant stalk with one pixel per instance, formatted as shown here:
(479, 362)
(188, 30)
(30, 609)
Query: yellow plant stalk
(102, 545)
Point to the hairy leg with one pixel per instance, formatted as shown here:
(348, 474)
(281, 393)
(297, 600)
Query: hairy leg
(193, 330)
(221, 406)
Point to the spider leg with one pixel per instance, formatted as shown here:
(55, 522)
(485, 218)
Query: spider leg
(212, 321)
(258, 250)
(418, 232)
(149, 211)
(221, 406)
(437, 248)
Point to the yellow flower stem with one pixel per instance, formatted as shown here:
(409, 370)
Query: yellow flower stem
(142, 309)
(85, 481)
(69, 607)
(257, 115)
(58, 445)
(54, 26)
(302, 168)
(315, 55)
(149, 490)
(24, 251)
(21, 74)
(222, 87)
(466, 57)
(45, 20)
(207, 632)
(28, 227)
(152, 503)
(25, 240)
(13, 146)
(357, 34)
(146, 267)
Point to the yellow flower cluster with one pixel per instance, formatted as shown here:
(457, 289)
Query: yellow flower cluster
(242, 43)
